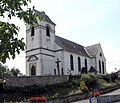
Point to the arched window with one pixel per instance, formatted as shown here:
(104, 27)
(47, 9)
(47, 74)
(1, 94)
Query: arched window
(86, 66)
(103, 67)
(32, 31)
(99, 66)
(33, 70)
(79, 64)
(100, 54)
(47, 31)
(71, 62)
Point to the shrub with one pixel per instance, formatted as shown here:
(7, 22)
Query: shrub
(107, 78)
(83, 87)
(85, 77)
(114, 77)
(90, 80)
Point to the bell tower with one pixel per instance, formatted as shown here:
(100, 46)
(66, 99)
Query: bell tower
(40, 57)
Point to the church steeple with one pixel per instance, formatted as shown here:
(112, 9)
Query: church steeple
(40, 43)
(44, 16)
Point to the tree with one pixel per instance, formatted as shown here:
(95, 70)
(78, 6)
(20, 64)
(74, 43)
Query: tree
(9, 42)
(15, 72)
(5, 71)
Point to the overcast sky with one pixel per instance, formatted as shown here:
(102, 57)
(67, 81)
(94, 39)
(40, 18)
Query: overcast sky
(86, 22)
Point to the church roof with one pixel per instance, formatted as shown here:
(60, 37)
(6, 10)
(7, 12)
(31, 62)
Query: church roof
(71, 46)
(42, 13)
(92, 70)
(93, 49)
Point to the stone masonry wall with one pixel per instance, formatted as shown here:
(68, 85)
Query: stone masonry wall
(35, 80)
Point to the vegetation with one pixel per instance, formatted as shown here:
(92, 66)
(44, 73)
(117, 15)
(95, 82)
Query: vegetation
(9, 42)
(77, 85)
(83, 87)
(6, 72)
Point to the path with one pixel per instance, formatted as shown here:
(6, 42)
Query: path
(116, 92)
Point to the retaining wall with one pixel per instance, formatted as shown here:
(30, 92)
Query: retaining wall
(35, 80)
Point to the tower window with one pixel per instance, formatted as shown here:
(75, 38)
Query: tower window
(47, 31)
(32, 31)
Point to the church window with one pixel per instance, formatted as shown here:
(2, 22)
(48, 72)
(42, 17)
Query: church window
(99, 66)
(33, 70)
(32, 31)
(103, 67)
(79, 64)
(71, 62)
(100, 54)
(86, 66)
(47, 31)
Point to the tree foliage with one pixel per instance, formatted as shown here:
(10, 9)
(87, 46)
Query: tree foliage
(9, 42)
(6, 72)
(15, 72)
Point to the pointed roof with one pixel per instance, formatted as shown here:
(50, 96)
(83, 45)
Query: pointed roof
(71, 46)
(42, 13)
(92, 70)
(93, 49)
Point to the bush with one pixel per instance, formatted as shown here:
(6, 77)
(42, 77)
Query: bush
(90, 80)
(85, 77)
(107, 78)
(83, 87)
(114, 77)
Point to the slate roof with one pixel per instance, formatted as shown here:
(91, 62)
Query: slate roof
(71, 46)
(93, 49)
(44, 16)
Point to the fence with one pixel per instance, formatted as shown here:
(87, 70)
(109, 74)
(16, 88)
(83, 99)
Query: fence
(101, 99)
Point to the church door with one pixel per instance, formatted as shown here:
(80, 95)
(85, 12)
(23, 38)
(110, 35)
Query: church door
(33, 70)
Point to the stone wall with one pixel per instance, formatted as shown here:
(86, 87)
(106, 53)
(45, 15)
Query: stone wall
(35, 80)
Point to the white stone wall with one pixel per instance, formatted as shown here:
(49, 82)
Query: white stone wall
(101, 58)
(75, 59)
(42, 47)
(60, 55)
(47, 42)
(48, 65)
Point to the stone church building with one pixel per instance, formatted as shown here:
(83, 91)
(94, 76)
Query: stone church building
(49, 54)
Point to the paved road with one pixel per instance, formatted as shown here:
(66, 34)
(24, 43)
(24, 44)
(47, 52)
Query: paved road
(111, 93)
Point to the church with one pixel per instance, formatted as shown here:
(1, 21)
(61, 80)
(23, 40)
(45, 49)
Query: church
(49, 54)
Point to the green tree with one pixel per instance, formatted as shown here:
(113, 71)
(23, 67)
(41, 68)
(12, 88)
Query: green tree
(15, 72)
(4, 71)
(9, 42)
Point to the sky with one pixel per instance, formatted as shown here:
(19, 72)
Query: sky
(85, 22)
